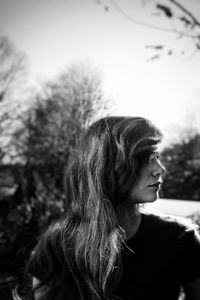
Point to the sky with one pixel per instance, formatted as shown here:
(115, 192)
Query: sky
(56, 33)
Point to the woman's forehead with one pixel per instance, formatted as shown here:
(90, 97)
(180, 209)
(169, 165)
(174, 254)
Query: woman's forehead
(147, 147)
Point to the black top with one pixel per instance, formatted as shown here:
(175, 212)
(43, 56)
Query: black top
(162, 255)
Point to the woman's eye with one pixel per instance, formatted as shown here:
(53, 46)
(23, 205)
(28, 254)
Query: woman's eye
(154, 156)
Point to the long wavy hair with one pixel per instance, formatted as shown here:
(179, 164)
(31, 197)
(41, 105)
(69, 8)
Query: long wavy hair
(79, 257)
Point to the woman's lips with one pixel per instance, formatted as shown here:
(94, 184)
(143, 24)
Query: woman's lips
(155, 185)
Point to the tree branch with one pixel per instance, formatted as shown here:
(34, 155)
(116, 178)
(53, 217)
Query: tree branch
(186, 11)
(133, 20)
(148, 25)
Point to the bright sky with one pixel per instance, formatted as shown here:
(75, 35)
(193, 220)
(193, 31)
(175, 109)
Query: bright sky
(56, 33)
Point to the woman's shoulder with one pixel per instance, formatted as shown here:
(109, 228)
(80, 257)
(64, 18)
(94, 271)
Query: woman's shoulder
(171, 223)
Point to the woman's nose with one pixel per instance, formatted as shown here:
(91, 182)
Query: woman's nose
(158, 169)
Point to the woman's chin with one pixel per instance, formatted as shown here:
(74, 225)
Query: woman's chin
(151, 198)
(146, 197)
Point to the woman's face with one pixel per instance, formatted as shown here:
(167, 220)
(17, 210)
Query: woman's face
(148, 184)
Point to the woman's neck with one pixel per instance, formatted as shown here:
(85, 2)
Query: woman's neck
(129, 217)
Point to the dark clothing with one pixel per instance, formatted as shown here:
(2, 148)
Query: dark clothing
(162, 255)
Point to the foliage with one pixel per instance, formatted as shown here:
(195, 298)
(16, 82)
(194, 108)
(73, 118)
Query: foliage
(24, 222)
(182, 162)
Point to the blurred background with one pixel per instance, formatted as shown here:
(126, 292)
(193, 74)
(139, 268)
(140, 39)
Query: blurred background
(63, 64)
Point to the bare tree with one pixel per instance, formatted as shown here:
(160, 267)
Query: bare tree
(13, 68)
(53, 126)
(13, 75)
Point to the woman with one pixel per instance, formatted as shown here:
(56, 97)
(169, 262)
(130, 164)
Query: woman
(104, 246)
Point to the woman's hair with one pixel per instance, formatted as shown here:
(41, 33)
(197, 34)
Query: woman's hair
(79, 255)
